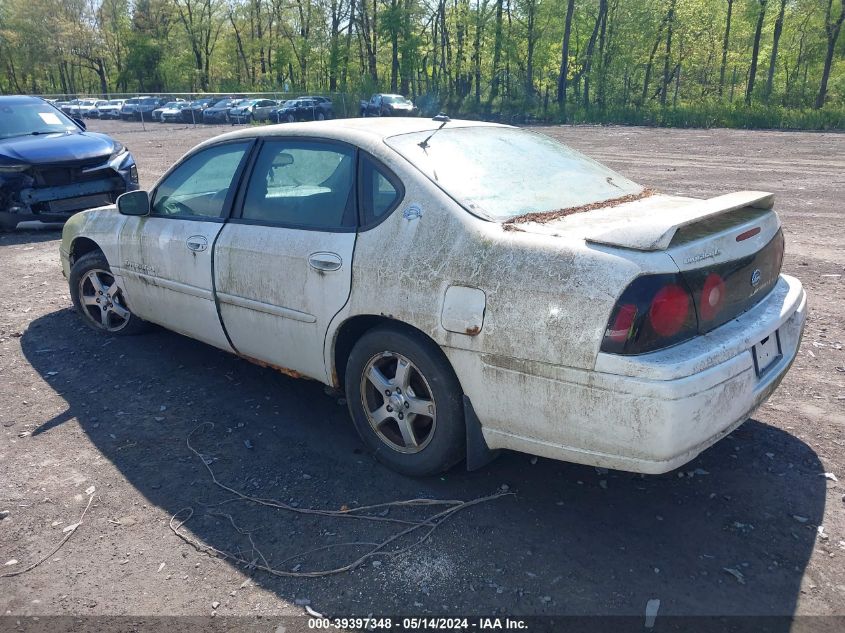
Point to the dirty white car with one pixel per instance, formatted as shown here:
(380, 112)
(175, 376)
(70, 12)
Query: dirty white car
(472, 287)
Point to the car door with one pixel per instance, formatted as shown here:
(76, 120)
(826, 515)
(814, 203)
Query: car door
(282, 264)
(166, 257)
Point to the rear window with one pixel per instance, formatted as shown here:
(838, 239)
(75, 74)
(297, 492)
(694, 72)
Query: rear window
(500, 173)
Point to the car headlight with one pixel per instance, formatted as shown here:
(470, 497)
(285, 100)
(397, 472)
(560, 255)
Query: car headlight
(117, 151)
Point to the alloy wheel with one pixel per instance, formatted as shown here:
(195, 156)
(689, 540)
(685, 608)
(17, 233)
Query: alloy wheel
(398, 402)
(102, 300)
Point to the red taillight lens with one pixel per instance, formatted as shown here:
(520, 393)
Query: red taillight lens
(712, 297)
(654, 312)
(669, 310)
(621, 328)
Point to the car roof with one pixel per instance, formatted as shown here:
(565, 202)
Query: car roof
(365, 132)
(19, 99)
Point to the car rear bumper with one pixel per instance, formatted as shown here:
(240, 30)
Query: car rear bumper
(650, 413)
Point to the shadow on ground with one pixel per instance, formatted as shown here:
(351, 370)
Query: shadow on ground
(31, 233)
(570, 540)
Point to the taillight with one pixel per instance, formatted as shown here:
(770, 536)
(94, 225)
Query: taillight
(712, 297)
(654, 312)
(621, 328)
(669, 310)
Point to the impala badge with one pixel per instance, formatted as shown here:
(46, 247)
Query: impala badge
(755, 277)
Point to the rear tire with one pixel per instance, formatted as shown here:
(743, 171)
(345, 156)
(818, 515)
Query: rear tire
(7, 225)
(99, 300)
(405, 401)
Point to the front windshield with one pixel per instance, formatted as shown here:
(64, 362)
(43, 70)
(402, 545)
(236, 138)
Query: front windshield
(502, 172)
(21, 119)
(395, 99)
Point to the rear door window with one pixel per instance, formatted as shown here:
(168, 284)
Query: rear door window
(302, 185)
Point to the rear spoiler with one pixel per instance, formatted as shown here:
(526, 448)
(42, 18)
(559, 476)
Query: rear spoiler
(654, 231)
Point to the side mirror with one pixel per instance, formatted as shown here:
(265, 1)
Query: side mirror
(134, 203)
(80, 123)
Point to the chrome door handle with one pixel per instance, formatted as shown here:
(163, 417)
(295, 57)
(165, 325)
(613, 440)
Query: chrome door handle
(325, 262)
(197, 243)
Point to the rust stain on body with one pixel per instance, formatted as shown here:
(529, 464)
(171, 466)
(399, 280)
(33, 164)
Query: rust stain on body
(279, 368)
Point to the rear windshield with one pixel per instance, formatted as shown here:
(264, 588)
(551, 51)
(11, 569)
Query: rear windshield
(500, 173)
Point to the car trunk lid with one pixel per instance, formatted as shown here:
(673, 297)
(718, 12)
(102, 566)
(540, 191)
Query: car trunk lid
(728, 249)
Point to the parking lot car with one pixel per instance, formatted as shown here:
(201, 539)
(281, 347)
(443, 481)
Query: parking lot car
(172, 112)
(94, 113)
(111, 110)
(50, 167)
(252, 110)
(155, 115)
(84, 108)
(129, 109)
(68, 106)
(303, 109)
(146, 106)
(471, 286)
(388, 105)
(219, 112)
(192, 113)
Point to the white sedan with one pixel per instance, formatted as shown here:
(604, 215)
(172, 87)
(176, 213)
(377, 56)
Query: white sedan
(470, 286)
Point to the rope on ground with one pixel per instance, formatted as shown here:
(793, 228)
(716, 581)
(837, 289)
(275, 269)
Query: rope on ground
(57, 548)
(427, 525)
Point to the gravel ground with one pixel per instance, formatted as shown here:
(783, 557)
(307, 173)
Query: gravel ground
(750, 527)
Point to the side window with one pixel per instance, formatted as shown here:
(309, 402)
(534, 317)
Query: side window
(308, 185)
(379, 194)
(199, 186)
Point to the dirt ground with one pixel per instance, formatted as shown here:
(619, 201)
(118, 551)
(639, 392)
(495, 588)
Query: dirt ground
(751, 527)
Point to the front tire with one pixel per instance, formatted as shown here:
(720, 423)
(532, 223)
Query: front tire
(405, 401)
(99, 300)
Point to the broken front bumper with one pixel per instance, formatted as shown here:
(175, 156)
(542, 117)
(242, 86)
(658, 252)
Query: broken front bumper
(650, 413)
(52, 193)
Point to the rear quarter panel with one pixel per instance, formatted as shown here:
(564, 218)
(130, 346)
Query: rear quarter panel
(547, 298)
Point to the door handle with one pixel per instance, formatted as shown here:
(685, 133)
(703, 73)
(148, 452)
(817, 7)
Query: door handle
(325, 262)
(197, 243)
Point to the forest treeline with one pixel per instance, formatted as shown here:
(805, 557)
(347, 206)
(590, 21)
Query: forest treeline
(771, 63)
